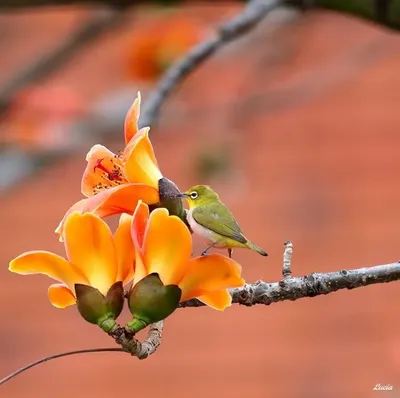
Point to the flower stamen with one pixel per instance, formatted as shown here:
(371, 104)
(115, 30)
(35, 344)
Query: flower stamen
(114, 175)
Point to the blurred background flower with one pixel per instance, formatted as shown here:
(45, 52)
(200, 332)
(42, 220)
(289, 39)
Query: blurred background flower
(161, 42)
(38, 116)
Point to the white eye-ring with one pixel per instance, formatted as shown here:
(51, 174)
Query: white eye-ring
(194, 195)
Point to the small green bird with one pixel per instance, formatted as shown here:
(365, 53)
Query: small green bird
(211, 219)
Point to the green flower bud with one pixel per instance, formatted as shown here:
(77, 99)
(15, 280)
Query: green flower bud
(115, 299)
(168, 192)
(150, 301)
(99, 309)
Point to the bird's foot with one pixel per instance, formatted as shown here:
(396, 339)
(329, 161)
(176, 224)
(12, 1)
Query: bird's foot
(230, 253)
(204, 252)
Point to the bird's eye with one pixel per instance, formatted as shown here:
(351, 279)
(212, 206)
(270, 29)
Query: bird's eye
(193, 195)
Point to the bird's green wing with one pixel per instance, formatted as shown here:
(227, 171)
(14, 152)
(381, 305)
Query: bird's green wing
(217, 218)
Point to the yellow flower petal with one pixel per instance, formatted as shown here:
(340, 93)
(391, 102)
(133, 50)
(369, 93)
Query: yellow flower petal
(122, 199)
(131, 119)
(140, 164)
(90, 247)
(103, 170)
(167, 246)
(43, 262)
(140, 268)
(218, 300)
(139, 223)
(125, 250)
(78, 206)
(60, 296)
(208, 274)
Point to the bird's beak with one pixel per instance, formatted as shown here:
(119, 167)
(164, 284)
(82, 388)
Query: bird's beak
(182, 195)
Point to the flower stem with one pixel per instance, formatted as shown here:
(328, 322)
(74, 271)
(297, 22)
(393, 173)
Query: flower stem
(63, 354)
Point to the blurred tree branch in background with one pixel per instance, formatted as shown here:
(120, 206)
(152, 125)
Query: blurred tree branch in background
(45, 64)
(254, 12)
(385, 12)
(16, 4)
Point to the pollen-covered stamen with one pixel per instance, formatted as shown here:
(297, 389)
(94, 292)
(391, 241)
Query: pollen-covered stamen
(111, 175)
(99, 188)
(115, 175)
(101, 167)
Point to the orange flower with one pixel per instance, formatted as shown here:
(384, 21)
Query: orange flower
(112, 183)
(159, 43)
(163, 245)
(96, 258)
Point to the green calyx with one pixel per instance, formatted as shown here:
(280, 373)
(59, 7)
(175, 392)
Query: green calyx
(98, 309)
(168, 192)
(151, 301)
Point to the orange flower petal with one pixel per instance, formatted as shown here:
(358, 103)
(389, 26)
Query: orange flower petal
(138, 229)
(218, 300)
(122, 199)
(139, 223)
(90, 247)
(208, 274)
(103, 170)
(43, 262)
(60, 296)
(131, 119)
(140, 164)
(124, 249)
(78, 206)
(140, 268)
(167, 246)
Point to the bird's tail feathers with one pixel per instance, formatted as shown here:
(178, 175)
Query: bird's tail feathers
(256, 248)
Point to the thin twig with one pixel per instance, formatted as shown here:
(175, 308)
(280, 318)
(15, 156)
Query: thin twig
(55, 356)
(311, 285)
(136, 348)
(129, 345)
(252, 14)
(287, 260)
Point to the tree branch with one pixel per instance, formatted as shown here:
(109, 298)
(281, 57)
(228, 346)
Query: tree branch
(314, 284)
(252, 14)
(383, 12)
(136, 348)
